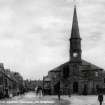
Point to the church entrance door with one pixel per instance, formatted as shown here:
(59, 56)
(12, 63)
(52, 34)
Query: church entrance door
(75, 87)
(85, 89)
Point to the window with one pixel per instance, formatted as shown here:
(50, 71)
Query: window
(104, 80)
(66, 71)
(1, 79)
(96, 74)
(97, 86)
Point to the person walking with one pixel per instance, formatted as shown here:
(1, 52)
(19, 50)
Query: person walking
(69, 94)
(59, 94)
(100, 98)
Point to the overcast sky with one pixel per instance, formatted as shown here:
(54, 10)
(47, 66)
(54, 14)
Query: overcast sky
(34, 34)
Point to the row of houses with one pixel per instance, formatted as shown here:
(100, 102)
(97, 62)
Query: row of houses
(11, 83)
(30, 85)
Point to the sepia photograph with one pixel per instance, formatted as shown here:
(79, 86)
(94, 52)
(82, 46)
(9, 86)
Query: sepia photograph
(52, 52)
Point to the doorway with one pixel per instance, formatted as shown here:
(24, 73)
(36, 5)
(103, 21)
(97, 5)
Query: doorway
(75, 87)
(85, 90)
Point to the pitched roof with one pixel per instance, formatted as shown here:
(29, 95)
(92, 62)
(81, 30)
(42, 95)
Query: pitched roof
(89, 66)
(84, 66)
(59, 68)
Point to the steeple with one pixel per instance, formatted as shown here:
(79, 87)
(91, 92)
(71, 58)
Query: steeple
(75, 28)
(75, 40)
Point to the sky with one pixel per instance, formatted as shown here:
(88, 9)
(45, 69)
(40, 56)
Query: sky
(34, 34)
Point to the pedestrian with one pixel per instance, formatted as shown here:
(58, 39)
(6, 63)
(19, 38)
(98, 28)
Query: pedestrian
(69, 94)
(59, 94)
(39, 91)
(6, 92)
(100, 98)
(36, 90)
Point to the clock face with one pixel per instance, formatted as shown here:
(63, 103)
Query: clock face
(75, 54)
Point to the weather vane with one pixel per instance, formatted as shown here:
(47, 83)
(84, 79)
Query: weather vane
(74, 1)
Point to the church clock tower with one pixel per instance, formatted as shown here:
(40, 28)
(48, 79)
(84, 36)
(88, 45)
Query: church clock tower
(75, 41)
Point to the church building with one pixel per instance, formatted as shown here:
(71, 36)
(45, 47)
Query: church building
(76, 76)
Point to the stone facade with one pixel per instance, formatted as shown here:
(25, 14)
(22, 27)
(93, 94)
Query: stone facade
(76, 76)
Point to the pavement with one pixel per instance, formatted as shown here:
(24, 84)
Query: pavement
(31, 99)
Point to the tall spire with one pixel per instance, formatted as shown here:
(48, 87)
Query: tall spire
(75, 27)
(75, 40)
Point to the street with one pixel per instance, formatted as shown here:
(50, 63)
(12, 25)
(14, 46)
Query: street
(31, 99)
